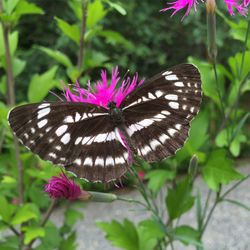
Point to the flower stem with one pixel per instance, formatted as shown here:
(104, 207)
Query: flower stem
(83, 30)
(216, 201)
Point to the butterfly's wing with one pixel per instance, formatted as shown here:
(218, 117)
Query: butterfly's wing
(81, 137)
(158, 114)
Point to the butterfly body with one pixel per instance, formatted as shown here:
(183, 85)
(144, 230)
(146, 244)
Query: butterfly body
(96, 142)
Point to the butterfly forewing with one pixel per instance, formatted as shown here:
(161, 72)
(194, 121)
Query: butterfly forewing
(158, 114)
(79, 136)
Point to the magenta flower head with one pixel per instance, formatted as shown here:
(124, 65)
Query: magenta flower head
(239, 5)
(62, 187)
(104, 92)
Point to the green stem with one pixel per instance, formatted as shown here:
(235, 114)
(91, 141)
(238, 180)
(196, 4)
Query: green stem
(234, 186)
(216, 201)
(11, 228)
(83, 31)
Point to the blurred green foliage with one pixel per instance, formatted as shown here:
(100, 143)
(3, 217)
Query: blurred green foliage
(44, 39)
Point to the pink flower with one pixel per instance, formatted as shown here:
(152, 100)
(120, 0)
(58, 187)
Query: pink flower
(181, 4)
(103, 92)
(246, 3)
(231, 5)
(62, 187)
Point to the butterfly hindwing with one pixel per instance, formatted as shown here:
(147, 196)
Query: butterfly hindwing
(158, 114)
(79, 136)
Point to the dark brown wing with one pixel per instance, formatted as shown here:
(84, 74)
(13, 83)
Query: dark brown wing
(158, 114)
(81, 137)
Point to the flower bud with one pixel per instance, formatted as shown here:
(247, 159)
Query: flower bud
(62, 187)
(102, 197)
(193, 167)
(211, 30)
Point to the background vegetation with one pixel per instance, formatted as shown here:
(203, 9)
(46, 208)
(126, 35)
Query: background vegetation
(46, 48)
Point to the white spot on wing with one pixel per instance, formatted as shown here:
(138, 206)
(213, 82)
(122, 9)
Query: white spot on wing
(88, 161)
(101, 137)
(179, 84)
(174, 105)
(165, 112)
(85, 140)
(163, 138)
(42, 123)
(178, 126)
(99, 161)
(78, 140)
(43, 112)
(154, 144)
(171, 131)
(66, 138)
(159, 93)
(145, 150)
(32, 130)
(78, 161)
(167, 73)
(52, 155)
(160, 116)
(43, 105)
(77, 117)
(151, 96)
(171, 77)
(119, 160)
(69, 119)
(61, 130)
(109, 161)
(146, 122)
(171, 97)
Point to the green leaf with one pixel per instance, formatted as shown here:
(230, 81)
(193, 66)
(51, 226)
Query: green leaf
(52, 238)
(24, 213)
(117, 7)
(208, 79)
(6, 209)
(33, 233)
(219, 170)
(94, 59)
(152, 229)
(40, 85)
(113, 38)
(26, 8)
(96, 13)
(72, 216)
(235, 64)
(121, 235)
(236, 144)
(58, 56)
(18, 66)
(70, 30)
(10, 5)
(69, 243)
(157, 178)
(179, 200)
(187, 235)
(198, 136)
(238, 32)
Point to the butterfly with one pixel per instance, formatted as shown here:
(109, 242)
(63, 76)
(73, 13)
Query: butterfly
(97, 140)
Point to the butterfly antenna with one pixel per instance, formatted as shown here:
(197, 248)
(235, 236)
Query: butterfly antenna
(56, 95)
(125, 75)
